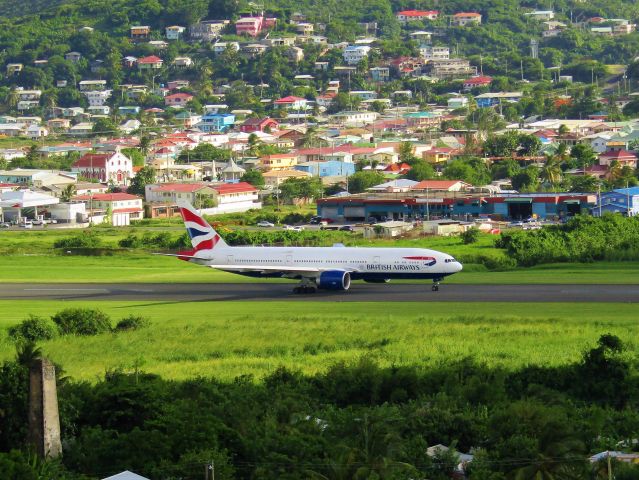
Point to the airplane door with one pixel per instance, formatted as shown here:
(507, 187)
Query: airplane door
(229, 259)
(375, 259)
(289, 259)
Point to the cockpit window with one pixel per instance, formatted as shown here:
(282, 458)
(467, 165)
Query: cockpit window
(450, 260)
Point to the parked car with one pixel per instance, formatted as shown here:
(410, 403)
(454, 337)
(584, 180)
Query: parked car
(293, 228)
(265, 223)
(5, 225)
(347, 228)
(27, 225)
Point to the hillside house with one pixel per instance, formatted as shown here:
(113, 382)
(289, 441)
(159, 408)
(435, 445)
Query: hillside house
(353, 54)
(178, 100)
(466, 18)
(174, 32)
(207, 30)
(292, 103)
(406, 16)
(140, 32)
(73, 57)
(477, 82)
(252, 125)
(183, 62)
(279, 161)
(251, 26)
(150, 63)
(216, 122)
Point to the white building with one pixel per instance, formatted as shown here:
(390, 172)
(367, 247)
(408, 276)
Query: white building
(97, 98)
(220, 47)
(354, 119)
(353, 54)
(174, 32)
(122, 207)
(430, 52)
(226, 198)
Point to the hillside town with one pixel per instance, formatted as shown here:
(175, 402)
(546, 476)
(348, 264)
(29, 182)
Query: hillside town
(371, 134)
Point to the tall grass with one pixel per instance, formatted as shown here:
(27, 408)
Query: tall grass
(227, 339)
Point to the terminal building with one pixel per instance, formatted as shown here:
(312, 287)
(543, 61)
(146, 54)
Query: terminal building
(456, 205)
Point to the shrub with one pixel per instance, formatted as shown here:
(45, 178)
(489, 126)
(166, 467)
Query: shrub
(87, 239)
(132, 322)
(470, 236)
(82, 321)
(33, 329)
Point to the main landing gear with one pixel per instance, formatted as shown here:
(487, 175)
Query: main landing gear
(307, 286)
(435, 287)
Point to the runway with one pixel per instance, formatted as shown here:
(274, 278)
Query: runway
(359, 292)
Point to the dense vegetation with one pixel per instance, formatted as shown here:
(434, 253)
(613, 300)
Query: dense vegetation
(354, 421)
(582, 239)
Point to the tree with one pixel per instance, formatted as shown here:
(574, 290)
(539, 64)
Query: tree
(502, 145)
(307, 189)
(526, 180)
(144, 177)
(530, 145)
(254, 177)
(68, 193)
(551, 171)
(136, 156)
(584, 155)
(105, 127)
(360, 181)
(420, 170)
(204, 152)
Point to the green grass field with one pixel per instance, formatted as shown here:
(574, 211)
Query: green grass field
(226, 339)
(147, 268)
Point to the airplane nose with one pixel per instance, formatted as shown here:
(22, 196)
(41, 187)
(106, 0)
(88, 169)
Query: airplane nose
(455, 267)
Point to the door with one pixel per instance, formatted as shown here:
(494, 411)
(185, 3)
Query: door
(229, 259)
(289, 260)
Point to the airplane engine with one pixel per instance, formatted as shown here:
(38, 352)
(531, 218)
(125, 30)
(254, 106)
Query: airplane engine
(334, 280)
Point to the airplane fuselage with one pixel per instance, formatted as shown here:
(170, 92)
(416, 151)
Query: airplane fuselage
(362, 263)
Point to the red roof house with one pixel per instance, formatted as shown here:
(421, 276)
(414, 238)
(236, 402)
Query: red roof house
(151, 62)
(410, 15)
(475, 82)
(251, 125)
(178, 99)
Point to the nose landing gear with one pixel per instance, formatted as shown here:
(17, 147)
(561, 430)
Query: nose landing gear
(435, 287)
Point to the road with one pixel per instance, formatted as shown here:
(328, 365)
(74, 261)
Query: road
(359, 292)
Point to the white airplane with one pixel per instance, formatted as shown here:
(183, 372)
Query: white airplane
(328, 268)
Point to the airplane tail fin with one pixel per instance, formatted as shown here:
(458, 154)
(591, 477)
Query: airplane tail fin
(203, 236)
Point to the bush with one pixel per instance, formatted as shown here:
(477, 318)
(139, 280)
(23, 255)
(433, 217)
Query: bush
(82, 321)
(87, 239)
(470, 236)
(33, 329)
(132, 322)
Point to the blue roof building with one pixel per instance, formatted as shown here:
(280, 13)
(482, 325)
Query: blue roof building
(620, 200)
(216, 122)
(331, 168)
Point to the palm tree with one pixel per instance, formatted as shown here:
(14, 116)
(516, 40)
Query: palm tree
(613, 172)
(68, 193)
(310, 138)
(551, 171)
